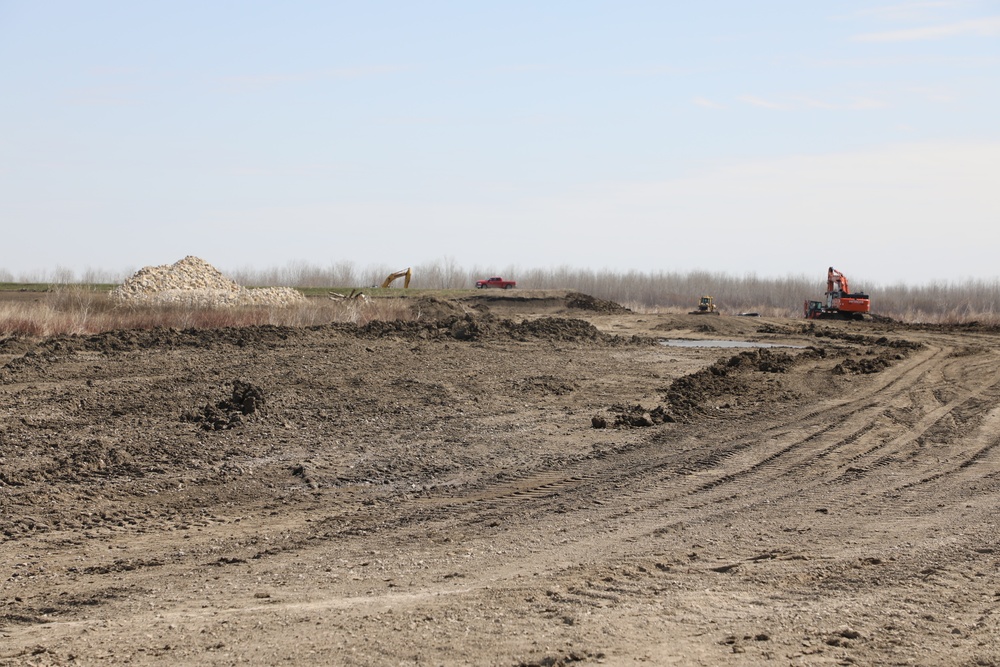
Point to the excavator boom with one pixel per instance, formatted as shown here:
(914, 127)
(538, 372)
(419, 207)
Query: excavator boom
(406, 274)
(836, 281)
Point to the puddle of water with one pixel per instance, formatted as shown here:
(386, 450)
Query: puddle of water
(681, 342)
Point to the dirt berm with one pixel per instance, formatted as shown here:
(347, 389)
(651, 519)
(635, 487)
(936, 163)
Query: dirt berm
(504, 481)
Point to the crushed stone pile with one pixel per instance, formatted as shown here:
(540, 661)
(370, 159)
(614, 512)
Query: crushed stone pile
(194, 282)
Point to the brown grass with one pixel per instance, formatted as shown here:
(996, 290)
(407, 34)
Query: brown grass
(75, 310)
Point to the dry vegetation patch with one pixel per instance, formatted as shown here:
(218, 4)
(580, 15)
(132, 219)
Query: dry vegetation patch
(189, 294)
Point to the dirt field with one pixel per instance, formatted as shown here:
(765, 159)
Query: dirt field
(509, 481)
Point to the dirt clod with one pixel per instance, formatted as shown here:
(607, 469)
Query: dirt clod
(245, 400)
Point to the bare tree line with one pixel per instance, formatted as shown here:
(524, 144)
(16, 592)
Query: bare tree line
(769, 296)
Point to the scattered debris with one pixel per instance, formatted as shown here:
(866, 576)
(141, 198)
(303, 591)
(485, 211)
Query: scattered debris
(355, 295)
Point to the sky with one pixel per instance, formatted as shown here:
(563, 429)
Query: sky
(771, 138)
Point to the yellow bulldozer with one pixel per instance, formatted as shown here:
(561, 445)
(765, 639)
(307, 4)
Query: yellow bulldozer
(406, 274)
(706, 307)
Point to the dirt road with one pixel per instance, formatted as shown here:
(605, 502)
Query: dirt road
(508, 481)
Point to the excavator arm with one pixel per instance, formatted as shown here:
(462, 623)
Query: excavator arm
(406, 274)
(836, 281)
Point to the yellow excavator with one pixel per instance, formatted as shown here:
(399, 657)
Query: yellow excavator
(406, 274)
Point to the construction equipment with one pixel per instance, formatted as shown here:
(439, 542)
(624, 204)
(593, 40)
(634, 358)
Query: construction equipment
(841, 303)
(406, 274)
(705, 307)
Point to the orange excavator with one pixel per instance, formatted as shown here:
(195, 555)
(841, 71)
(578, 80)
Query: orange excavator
(841, 303)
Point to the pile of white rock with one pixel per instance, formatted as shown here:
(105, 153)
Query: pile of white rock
(193, 282)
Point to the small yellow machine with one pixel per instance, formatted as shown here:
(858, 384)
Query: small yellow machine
(705, 307)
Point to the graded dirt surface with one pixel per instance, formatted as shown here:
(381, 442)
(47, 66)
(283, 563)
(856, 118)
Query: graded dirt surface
(509, 480)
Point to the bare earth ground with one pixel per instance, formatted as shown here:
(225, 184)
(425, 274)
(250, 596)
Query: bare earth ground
(439, 492)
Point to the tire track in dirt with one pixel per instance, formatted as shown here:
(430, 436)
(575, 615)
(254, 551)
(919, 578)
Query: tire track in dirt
(644, 477)
(897, 444)
(652, 482)
(640, 461)
(648, 479)
(754, 492)
(526, 488)
(806, 480)
(784, 447)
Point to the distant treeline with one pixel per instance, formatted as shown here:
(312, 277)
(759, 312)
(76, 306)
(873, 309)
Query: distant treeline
(640, 290)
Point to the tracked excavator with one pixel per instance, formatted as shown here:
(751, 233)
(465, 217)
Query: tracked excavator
(841, 303)
(405, 274)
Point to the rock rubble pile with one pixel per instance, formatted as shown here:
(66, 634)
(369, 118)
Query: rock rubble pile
(194, 282)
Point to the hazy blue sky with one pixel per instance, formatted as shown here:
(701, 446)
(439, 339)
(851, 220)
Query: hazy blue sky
(768, 137)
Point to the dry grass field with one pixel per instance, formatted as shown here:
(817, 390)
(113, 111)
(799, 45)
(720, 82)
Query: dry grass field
(80, 310)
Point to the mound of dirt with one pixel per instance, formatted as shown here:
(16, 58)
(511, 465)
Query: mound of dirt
(474, 327)
(194, 282)
(429, 308)
(633, 416)
(691, 394)
(554, 328)
(866, 365)
(593, 304)
(16, 344)
(246, 399)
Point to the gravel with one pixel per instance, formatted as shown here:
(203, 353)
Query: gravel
(194, 282)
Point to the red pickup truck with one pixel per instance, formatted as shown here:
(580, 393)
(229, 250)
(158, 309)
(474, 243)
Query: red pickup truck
(496, 281)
